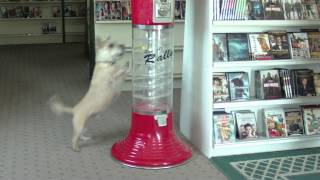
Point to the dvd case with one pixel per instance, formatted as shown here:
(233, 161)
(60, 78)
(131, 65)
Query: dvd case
(219, 47)
(239, 86)
(220, 87)
(259, 46)
(299, 45)
(275, 122)
(224, 128)
(238, 48)
(246, 124)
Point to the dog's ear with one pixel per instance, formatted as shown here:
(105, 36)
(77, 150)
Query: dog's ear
(100, 42)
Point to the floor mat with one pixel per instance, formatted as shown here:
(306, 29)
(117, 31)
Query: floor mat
(283, 165)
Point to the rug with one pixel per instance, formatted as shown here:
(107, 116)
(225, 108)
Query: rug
(303, 164)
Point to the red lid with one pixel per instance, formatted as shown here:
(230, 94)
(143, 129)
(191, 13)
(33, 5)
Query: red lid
(143, 12)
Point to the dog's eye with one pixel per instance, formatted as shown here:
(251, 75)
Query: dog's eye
(111, 45)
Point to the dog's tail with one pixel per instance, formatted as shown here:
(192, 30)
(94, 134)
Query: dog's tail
(57, 106)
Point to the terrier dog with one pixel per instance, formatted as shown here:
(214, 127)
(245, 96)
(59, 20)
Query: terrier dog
(109, 72)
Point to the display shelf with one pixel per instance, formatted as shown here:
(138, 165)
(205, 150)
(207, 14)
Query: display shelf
(75, 25)
(31, 39)
(126, 21)
(265, 145)
(266, 63)
(30, 2)
(63, 24)
(29, 30)
(196, 114)
(114, 22)
(31, 19)
(262, 25)
(270, 102)
(30, 34)
(74, 36)
(75, 18)
(75, 33)
(75, 1)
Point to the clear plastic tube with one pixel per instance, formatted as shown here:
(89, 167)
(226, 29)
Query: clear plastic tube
(152, 69)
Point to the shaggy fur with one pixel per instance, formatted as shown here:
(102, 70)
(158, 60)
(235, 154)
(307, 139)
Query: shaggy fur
(109, 73)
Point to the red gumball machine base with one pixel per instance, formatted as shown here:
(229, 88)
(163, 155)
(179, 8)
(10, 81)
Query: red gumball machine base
(151, 144)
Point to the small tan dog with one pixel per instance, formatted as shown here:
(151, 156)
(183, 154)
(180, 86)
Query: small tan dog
(109, 73)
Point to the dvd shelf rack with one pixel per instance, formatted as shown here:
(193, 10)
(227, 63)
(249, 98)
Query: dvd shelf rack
(197, 107)
(121, 31)
(75, 13)
(41, 21)
(120, 10)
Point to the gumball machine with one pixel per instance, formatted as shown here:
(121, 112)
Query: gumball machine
(151, 141)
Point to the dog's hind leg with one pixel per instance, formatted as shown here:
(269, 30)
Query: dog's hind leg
(83, 136)
(78, 125)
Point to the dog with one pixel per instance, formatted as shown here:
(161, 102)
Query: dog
(109, 72)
